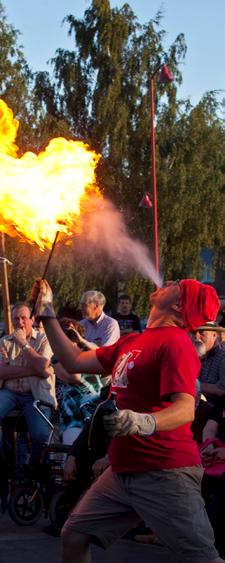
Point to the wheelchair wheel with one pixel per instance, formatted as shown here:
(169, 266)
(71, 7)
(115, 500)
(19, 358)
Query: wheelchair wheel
(59, 508)
(25, 505)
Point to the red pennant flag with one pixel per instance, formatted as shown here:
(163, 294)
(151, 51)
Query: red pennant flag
(146, 201)
(165, 75)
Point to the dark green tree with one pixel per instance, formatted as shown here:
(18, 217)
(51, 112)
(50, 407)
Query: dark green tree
(99, 93)
(190, 159)
(15, 76)
(14, 71)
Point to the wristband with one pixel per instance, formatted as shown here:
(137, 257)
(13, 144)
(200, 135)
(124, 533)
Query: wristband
(54, 360)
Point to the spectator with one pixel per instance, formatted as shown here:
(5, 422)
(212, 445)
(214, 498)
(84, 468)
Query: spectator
(212, 374)
(128, 321)
(26, 375)
(100, 329)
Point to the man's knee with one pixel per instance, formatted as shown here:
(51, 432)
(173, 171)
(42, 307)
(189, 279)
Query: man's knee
(74, 540)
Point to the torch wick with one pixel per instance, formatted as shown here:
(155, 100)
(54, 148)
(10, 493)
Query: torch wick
(46, 268)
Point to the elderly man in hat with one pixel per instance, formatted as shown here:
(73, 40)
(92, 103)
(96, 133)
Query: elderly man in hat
(155, 472)
(212, 374)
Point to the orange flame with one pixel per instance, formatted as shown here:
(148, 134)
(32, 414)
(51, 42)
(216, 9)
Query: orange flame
(42, 194)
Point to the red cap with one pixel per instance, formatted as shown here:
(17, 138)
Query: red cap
(199, 303)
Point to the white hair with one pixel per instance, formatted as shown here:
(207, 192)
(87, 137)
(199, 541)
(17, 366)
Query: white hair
(94, 296)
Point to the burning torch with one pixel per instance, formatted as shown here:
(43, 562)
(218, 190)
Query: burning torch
(41, 194)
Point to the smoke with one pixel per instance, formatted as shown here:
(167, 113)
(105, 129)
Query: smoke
(103, 226)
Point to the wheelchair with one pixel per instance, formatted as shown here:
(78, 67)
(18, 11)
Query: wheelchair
(42, 490)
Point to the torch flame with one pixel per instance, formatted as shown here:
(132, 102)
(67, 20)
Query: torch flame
(42, 194)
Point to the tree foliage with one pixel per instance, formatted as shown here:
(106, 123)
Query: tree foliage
(99, 92)
(190, 185)
(14, 71)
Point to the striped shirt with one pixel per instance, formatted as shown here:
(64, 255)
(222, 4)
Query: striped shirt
(12, 354)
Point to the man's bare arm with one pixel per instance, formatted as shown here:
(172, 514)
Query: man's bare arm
(210, 430)
(35, 361)
(212, 389)
(68, 353)
(180, 412)
(14, 372)
(66, 377)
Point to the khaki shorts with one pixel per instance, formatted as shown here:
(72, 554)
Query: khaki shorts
(169, 502)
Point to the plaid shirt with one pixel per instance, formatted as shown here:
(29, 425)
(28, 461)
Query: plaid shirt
(71, 399)
(12, 354)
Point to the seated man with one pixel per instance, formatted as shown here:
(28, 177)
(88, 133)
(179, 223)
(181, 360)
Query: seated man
(212, 374)
(99, 327)
(128, 321)
(26, 375)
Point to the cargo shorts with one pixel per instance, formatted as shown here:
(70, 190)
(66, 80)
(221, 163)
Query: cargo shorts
(169, 502)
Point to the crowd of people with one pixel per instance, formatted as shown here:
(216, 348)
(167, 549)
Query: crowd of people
(164, 468)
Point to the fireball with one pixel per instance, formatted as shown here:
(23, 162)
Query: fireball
(41, 194)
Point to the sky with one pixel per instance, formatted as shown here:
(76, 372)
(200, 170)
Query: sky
(201, 21)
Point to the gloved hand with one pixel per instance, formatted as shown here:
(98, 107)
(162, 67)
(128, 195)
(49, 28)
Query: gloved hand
(41, 295)
(126, 422)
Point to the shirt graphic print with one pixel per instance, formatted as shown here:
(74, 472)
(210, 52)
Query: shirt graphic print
(125, 362)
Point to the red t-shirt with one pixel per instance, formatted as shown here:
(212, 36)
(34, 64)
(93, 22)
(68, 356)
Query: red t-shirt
(146, 369)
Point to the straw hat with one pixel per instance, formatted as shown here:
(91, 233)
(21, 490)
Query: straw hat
(211, 326)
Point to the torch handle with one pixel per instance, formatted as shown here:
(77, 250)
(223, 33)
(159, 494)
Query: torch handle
(50, 256)
(46, 269)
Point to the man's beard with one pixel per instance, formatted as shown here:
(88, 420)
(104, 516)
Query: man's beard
(200, 348)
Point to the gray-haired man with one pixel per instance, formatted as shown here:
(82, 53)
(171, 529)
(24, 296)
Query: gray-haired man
(99, 327)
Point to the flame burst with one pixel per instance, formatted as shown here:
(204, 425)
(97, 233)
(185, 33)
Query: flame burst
(42, 194)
